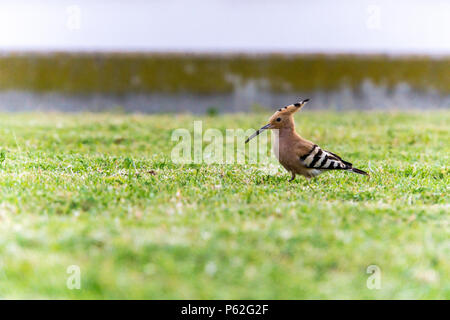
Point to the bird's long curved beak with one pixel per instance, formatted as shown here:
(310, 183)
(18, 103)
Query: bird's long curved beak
(267, 126)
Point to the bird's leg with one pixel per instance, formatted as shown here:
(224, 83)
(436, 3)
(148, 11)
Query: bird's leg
(293, 177)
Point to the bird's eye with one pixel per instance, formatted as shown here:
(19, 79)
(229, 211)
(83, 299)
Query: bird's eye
(278, 119)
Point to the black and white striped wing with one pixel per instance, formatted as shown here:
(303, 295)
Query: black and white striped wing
(321, 159)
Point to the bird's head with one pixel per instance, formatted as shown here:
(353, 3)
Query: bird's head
(282, 118)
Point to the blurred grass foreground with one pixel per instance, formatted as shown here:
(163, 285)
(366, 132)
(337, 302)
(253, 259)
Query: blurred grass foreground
(197, 83)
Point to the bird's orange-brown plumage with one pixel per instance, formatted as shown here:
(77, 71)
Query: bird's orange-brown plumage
(296, 154)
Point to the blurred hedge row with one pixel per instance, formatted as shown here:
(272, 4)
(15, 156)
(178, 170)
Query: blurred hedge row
(119, 73)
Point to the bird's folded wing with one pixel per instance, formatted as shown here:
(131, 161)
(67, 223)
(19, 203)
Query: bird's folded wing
(318, 158)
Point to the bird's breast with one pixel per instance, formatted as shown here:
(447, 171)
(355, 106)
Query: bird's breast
(284, 153)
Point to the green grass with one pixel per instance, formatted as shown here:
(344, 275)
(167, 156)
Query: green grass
(100, 191)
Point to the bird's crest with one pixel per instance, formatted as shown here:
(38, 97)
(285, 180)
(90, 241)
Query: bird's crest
(292, 108)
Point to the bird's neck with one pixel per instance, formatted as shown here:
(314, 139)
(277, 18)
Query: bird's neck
(288, 129)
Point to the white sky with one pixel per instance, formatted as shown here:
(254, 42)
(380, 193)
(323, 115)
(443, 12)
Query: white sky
(383, 26)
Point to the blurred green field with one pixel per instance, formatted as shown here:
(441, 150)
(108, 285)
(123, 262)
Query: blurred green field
(100, 191)
(121, 73)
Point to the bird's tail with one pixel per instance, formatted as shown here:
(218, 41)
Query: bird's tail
(359, 171)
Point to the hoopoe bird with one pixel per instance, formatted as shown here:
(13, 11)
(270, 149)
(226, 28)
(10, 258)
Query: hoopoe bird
(296, 154)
